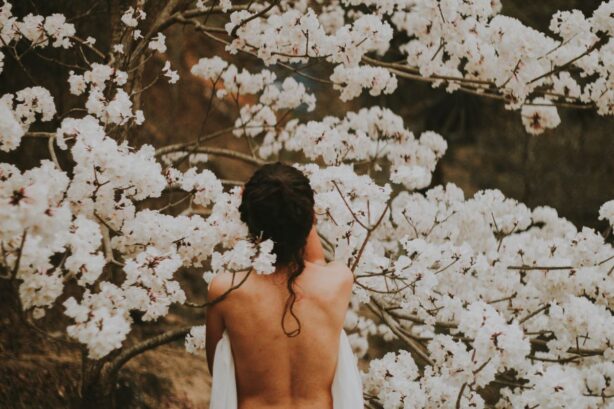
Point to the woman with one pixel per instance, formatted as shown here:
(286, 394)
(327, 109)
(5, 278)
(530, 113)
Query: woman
(286, 329)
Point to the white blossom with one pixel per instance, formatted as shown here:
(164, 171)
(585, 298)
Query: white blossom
(172, 76)
(131, 17)
(11, 130)
(540, 116)
(195, 340)
(206, 186)
(18, 112)
(606, 212)
(77, 83)
(149, 283)
(351, 81)
(59, 30)
(101, 320)
(158, 43)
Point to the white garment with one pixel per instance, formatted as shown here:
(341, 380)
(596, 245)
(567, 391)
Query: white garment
(346, 389)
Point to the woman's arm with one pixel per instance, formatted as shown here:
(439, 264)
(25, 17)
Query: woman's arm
(215, 320)
(314, 252)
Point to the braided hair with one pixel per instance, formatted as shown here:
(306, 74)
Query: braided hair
(278, 204)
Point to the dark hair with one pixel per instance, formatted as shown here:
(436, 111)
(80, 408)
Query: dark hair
(277, 204)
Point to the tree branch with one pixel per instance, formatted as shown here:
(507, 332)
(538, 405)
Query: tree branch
(120, 360)
(418, 349)
(211, 151)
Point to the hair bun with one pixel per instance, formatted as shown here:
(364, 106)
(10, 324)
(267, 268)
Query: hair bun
(278, 204)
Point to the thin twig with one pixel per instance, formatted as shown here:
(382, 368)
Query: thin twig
(262, 12)
(369, 231)
(51, 148)
(561, 67)
(212, 151)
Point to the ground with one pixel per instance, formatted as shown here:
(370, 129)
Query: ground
(38, 373)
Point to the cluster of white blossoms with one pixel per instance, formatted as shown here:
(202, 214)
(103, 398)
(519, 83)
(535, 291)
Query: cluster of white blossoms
(149, 284)
(464, 45)
(351, 81)
(511, 294)
(483, 293)
(85, 261)
(196, 339)
(45, 214)
(394, 379)
(368, 136)
(116, 110)
(469, 40)
(296, 35)
(260, 118)
(348, 204)
(132, 16)
(131, 19)
(242, 257)
(288, 95)
(102, 319)
(206, 5)
(40, 31)
(515, 290)
(18, 112)
(107, 175)
(32, 202)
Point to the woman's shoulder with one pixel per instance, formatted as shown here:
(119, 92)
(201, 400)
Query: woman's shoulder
(340, 270)
(224, 283)
(335, 276)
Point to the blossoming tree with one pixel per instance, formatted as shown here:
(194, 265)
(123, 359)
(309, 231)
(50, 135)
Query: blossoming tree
(495, 304)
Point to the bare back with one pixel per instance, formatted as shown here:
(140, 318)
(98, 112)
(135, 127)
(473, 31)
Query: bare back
(272, 369)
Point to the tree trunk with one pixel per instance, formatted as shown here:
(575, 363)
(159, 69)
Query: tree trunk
(97, 396)
(97, 387)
